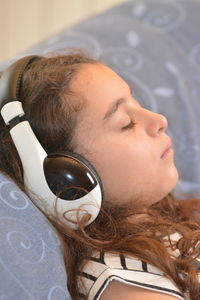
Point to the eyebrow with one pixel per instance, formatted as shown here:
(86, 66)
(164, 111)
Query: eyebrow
(114, 106)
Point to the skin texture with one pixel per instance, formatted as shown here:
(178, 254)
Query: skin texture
(127, 157)
(119, 291)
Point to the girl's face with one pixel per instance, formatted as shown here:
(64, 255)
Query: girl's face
(125, 142)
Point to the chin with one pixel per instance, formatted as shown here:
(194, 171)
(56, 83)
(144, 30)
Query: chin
(170, 182)
(173, 177)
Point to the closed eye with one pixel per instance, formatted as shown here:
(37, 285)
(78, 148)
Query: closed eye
(129, 126)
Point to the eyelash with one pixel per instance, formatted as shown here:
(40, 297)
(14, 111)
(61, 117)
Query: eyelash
(129, 126)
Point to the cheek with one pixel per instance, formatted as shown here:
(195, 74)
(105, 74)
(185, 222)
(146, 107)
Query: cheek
(123, 164)
(130, 169)
(122, 174)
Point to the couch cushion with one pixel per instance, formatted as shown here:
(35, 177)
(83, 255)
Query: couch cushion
(31, 262)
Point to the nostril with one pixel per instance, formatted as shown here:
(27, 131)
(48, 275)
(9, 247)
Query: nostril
(156, 123)
(163, 123)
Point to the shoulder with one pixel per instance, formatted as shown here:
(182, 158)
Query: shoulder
(104, 268)
(118, 290)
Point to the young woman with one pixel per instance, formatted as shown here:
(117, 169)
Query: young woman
(144, 244)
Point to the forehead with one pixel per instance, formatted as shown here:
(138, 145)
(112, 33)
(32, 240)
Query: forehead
(95, 81)
(98, 87)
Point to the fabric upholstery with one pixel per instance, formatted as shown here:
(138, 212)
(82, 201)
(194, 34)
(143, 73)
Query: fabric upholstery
(31, 262)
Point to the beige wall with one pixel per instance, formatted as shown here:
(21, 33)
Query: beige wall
(26, 22)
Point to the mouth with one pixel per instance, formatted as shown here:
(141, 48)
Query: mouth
(168, 151)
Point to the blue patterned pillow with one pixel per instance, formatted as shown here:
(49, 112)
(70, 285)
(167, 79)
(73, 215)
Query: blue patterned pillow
(31, 262)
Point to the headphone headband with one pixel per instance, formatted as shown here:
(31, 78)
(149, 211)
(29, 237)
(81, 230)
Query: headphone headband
(11, 80)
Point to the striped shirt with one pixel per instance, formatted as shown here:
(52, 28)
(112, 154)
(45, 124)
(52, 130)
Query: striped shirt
(102, 268)
(105, 267)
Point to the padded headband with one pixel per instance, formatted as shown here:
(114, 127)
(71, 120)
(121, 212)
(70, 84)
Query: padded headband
(11, 80)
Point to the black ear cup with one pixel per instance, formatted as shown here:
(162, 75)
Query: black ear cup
(69, 175)
(64, 180)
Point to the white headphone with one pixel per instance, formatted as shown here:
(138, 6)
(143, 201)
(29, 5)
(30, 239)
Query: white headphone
(65, 181)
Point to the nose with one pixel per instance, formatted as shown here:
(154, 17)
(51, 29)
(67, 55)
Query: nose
(157, 124)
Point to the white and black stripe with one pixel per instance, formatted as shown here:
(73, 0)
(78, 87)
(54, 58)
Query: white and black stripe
(102, 269)
(123, 262)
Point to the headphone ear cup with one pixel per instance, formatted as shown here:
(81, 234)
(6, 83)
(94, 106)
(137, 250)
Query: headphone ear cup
(76, 185)
(70, 176)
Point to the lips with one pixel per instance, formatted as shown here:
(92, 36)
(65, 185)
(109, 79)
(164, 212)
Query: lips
(167, 149)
